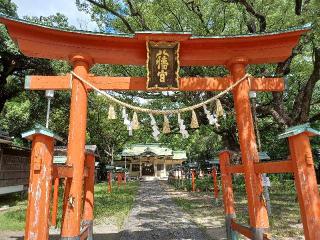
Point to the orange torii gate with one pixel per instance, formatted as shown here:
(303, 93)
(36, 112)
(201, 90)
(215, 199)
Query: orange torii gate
(300, 164)
(83, 49)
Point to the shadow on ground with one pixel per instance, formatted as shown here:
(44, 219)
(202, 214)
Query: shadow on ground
(165, 234)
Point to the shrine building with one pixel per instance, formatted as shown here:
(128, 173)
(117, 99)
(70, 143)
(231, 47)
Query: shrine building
(150, 161)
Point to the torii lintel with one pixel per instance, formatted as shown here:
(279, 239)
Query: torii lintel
(139, 83)
(40, 41)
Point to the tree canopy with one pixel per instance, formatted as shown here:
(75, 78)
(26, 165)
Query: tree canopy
(300, 102)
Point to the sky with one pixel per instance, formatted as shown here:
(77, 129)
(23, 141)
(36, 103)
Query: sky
(45, 8)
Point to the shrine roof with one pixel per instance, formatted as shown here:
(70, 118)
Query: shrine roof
(152, 149)
(40, 41)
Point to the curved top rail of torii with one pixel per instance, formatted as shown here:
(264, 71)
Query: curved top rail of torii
(40, 41)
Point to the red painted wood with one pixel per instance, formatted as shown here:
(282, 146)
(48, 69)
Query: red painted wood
(249, 153)
(193, 180)
(109, 176)
(215, 183)
(306, 184)
(40, 185)
(55, 202)
(76, 150)
(44, 42)
(245, 231)
(235, 168)
(62, 171)
(226, 180)
(274, 167)
(89, 189)
(139, 83)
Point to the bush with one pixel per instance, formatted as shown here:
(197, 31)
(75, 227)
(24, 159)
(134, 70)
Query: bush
(205, 184)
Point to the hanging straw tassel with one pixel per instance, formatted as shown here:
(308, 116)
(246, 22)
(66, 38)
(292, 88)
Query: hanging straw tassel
(135, 121)
(219, 109)
(166, 125)
(124, 113)
(112, 113)
(194, 120)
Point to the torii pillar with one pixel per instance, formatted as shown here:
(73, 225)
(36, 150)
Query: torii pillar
(40, 182)
(259, 222)
(76, 150)
(305, 177)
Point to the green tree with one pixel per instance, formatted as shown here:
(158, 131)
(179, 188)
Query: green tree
(276, 111)
(20, 110)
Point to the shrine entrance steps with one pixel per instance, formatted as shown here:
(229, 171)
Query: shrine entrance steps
(152, 178)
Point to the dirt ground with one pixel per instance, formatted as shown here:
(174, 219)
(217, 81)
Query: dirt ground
(210, 216)
(155, 215)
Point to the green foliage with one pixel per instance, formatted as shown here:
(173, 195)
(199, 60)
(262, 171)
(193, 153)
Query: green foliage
(58, 21)
(8, 8)
(204, 184)
(116, 205)
(285, 220)
(13, 220)
(201, 17)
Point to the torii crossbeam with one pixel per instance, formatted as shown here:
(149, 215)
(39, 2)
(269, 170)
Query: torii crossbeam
(139, 83)
(83, 49)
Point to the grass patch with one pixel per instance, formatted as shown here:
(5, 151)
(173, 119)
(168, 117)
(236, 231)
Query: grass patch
(285, 219)
(116, 205)
(14, 218)
(185, 204)
(284, 222)
(198, 207)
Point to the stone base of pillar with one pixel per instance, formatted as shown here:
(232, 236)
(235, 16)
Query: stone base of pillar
(70, 238)
(231, 235)
(90, 229)
(258, 233)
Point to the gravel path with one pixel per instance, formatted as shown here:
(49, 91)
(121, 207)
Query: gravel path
(155, 216)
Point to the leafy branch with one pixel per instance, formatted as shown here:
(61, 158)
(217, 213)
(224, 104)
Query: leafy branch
(103, 5)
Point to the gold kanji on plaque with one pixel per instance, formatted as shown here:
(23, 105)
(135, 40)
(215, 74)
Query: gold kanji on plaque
(162, 65)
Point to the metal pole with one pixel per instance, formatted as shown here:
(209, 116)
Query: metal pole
(112, 156)
(49, 95)
(109, 181)
(48, 112)
(215, 184)
(266, 193)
